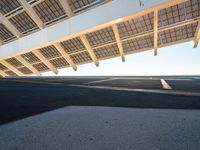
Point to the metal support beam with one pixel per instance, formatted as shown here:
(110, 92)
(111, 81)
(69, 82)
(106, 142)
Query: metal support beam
(155, 32)
(45, 61)
(3, 74)
(197, 36)
(15, 70)
(119, 42)
(26, 64)
(66, 56)
(66, 7)
(89, 49)
(10, 26)
(32, 13)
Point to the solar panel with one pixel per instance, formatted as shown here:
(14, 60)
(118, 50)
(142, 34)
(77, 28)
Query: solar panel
(73, 45)
(14, 62)
(23, 22)
(193, 9)
(59, 63)
(81, 57)
(41, 67)
(100, 37)
(49, 52)
(180, 12)
(176, 24)
(107, 51)
(137, 25)
(10, 73)
(30, 58)
(7, 6)
(138, 43)
(5, 34)
(2, 67)
(176, 34)
(49, 10)
(76, 5)
(25, 70)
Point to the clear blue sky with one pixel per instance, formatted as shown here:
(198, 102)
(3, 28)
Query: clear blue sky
(181, 59)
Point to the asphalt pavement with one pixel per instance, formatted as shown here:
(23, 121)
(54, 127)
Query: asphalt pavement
(158, 112)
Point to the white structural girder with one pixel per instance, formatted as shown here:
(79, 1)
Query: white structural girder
(119, 42)
(91, 20)
(66, 7)
(3, 74)
(10, 26)
(155, 32)
(89, 49)
(197, 36)
(15, 70)
(26, 64)
(66, 56)
(31, 13)
(45, 61)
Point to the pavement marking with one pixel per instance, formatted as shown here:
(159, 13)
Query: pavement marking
(182, 93)
(178, 79)
(151, 78)
(100, 81)
(198, 78)
(165, 84)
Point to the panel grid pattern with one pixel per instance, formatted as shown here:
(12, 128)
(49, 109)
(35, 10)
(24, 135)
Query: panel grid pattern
(25, 70)
(100, 37)
(103, 41)
(30, 58)
(81, 57)
(41, 67)
(138, 43)
(7, 6)
(177, 34)
(5, 34)
(59, 63)
(23, 22)
(180, 12)
(135, 26)
(107, 51)
(73, 45)
(2, 67)
(49, 10)
(49, 52)
(14, 62)
(10, 73)
(78, 4)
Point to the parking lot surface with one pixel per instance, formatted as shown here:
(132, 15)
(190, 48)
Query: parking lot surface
(100, 113)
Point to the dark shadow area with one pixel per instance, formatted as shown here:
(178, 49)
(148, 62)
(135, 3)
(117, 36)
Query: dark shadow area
(20, 100)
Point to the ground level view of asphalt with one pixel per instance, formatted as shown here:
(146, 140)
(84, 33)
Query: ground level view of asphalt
(100, 113)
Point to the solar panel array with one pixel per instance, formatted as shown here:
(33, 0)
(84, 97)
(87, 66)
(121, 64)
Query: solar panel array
(17, 64)
(176, 24)
(48, 11)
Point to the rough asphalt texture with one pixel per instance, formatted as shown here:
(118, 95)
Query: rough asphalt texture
(47, 113)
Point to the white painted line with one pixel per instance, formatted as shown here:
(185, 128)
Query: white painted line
(136, 78)
(197, 78)
(100, 81)
(165, 84)
(178, 79)
(182, 93)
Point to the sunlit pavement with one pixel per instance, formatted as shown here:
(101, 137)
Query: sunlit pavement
(135, 113)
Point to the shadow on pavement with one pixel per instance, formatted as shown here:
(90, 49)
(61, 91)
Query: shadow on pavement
(21, 100)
